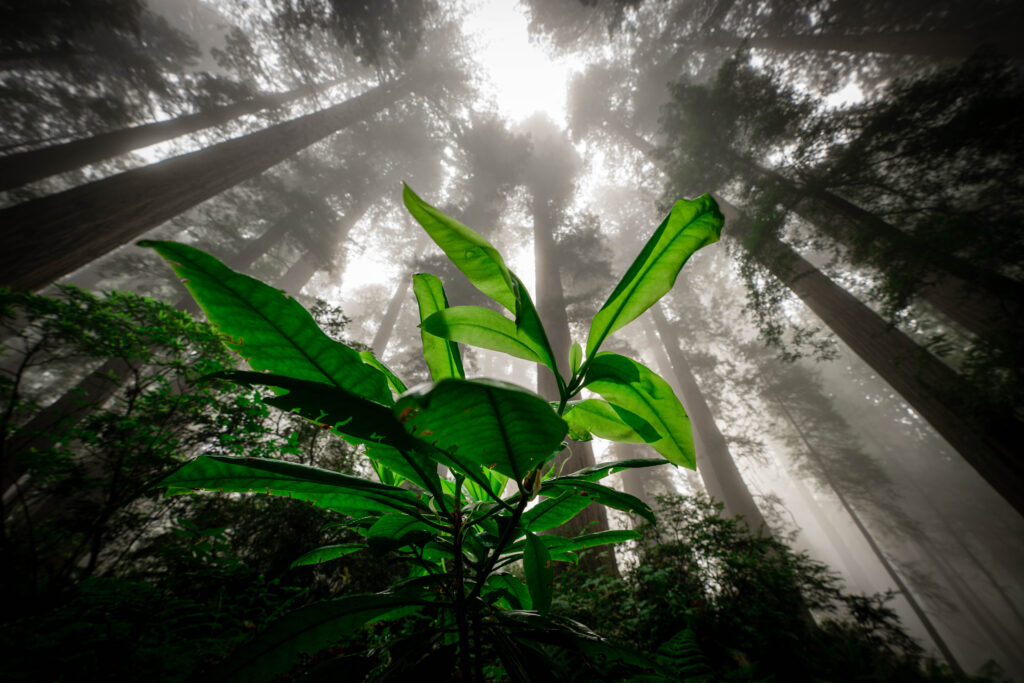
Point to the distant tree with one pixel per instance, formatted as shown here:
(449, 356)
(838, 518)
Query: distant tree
(73, 227)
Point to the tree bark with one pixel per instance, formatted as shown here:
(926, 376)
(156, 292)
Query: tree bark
(937, 44)
(990, 445)
(551, 308)
(979, 300)
(26, 167)
(387, 323)
(51, 236)
(715, 463)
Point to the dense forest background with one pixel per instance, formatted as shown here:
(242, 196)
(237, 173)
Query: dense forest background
(849, 354)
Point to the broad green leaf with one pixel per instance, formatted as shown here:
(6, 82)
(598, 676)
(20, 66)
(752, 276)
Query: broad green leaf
(327, 553)
(478, 326)
(692, 224)
(529, 326)
(564, 549)
(269, 329)
(355, 418)
(331, 490)
(539, 572)
(396, 525)
(554, 511)
(575, 357)
(514, 586)
(629, 385)
(442, 356)
(598, 493)
(602, 470)
(484, 423)
(472, 254)
(412, 465)
(602, 419)
(397, 385)
(306, 631)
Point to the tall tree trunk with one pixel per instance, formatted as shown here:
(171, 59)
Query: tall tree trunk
(940, 643)
(25, 167)
(551, 308)
(715, 463)
(387, 323)
(937, 44)
(979, 300)
(303, 270)
(51, 236)
(990, 445)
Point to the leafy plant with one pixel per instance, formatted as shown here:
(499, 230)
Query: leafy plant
(461, 530)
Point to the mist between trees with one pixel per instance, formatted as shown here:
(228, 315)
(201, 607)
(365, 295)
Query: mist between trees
(848, 355)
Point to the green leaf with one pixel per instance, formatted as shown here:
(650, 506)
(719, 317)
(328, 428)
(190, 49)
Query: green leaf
(472, 254)
(602, 470)
(442, 356)
(331, 490)
(564, 549)
(396, 525)
(692, 224)
(327, 553)
(539, 572)
(575, 357)
(397, 385)
(629, 385)
(529, 327)
(554, 511)
(514, 586)
(269, 329)
(308, 630)
(407, 465)
(485, 423)
(598, 493)
(609, 422)
(355, 418)
(481, 327)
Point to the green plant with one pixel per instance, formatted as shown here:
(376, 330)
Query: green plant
(459, 530)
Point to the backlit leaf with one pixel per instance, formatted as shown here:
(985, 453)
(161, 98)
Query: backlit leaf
(485, 423)
(692, 224)
(607, 421)
(482, 327)
(331, 490)
(472, 254)
(628, 384)
(598, 493)
(269, 329)
(442, 356)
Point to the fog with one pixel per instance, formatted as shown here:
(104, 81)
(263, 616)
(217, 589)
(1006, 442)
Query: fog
(849, 353)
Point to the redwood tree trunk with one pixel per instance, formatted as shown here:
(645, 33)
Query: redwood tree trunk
(25, 167)
(51, 236)
(938, 44)
(990, 445)
(979, 300)
(715, 463)
(551, 308)
(387, 323)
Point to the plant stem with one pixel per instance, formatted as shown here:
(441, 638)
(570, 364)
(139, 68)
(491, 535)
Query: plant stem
(460, 599)
(506, 536)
